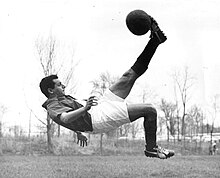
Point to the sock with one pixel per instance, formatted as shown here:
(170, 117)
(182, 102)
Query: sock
(141, 65)
(150, 133)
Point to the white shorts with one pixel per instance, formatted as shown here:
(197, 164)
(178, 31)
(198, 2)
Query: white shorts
(110, 113)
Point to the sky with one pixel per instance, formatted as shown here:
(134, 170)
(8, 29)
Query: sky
(96, 31)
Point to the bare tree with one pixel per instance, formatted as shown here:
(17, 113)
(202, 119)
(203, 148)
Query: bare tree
(195, 123)
(53, 63)
(184, 83)
(215, 107)
(104, 81)
(168, 109)
(195, 116)
(178, 119)
(124, 130)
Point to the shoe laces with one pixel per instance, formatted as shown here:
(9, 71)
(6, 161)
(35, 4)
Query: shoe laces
(161, 150)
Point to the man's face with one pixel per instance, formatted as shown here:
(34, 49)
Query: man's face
(59, 88)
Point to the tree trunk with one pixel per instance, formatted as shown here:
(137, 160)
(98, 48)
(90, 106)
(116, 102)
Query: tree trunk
(183, 130)
(49, 135)
(101, 139)
(168, 133)
(58, 131)
(178, 129)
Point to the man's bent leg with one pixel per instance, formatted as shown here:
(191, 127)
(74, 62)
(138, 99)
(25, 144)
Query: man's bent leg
(136, 111)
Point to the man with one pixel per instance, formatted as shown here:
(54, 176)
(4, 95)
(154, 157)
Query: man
(111, 111)
(214, 147)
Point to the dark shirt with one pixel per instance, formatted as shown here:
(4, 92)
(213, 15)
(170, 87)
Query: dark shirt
(58, 105)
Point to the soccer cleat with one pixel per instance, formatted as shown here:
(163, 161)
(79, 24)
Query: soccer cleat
(158, 152)
(156, 32)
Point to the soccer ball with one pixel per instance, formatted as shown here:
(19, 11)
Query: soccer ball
(138, 22)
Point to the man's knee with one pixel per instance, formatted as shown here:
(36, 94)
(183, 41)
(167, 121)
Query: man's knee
(124, 85)
(126, 81)
(128, 77)
(151, 113)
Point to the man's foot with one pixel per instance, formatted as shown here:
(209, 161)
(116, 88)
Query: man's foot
(158, 152)
(156, 32)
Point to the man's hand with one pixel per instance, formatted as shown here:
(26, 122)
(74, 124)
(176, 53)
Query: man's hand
(81, 139)
(92, 101)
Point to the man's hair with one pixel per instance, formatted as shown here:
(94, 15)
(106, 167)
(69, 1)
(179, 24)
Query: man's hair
(46, 83)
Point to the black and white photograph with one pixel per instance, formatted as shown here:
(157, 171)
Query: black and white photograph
(109, 88)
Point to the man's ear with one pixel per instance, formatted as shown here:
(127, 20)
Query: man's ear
(50, 90)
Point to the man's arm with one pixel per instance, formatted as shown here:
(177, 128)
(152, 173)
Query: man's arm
(68, 117)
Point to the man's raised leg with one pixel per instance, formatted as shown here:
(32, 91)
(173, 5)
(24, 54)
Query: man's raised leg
(124, 85)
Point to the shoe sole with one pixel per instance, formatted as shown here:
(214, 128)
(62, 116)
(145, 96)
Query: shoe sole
(152, 155)
(155, 155)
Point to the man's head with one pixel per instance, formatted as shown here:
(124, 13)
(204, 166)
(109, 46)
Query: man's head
(51, 86)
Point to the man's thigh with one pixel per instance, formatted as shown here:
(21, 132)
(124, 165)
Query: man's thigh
(108, 115)
(124, 85)
(136, 111)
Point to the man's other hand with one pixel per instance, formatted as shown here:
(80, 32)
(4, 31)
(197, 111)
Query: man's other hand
(81, 139)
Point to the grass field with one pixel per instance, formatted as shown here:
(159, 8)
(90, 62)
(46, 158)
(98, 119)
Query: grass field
(108, 166)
